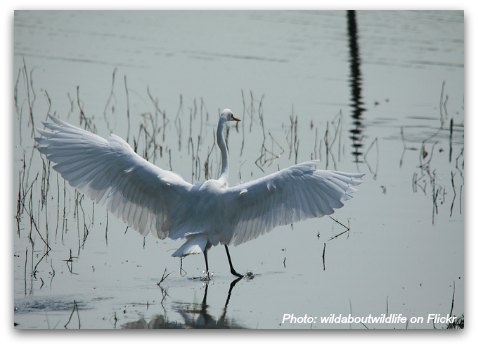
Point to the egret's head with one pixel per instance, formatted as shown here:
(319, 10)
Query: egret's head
(228, 116)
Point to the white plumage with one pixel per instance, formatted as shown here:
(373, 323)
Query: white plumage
(151, 199)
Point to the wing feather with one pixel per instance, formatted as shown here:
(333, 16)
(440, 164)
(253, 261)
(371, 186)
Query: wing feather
(287, 196)
(109, 171)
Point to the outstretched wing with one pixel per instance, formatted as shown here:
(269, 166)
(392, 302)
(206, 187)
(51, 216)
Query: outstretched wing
(141, 194)
(287, 196)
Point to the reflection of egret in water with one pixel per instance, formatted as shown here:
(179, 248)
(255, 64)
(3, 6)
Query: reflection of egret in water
(355, 87)
(195, 316)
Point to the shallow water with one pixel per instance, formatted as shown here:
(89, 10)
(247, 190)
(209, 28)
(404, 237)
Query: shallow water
(381, 93)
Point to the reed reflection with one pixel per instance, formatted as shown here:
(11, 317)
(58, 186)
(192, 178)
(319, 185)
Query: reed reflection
(355, 82)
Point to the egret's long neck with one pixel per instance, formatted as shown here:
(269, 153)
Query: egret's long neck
(222, 146)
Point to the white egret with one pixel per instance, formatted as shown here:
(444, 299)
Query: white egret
(150, 199)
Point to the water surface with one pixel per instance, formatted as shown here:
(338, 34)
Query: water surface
(374, 92)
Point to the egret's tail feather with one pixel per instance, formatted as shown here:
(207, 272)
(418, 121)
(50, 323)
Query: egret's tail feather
(194, 245)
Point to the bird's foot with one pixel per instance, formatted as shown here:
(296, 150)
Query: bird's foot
(207, 276)
(249, 275)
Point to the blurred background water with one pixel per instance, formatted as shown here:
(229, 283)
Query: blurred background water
(379, 92)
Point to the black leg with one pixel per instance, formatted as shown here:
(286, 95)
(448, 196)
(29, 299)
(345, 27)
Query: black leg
(207, 266)
(230, 264)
